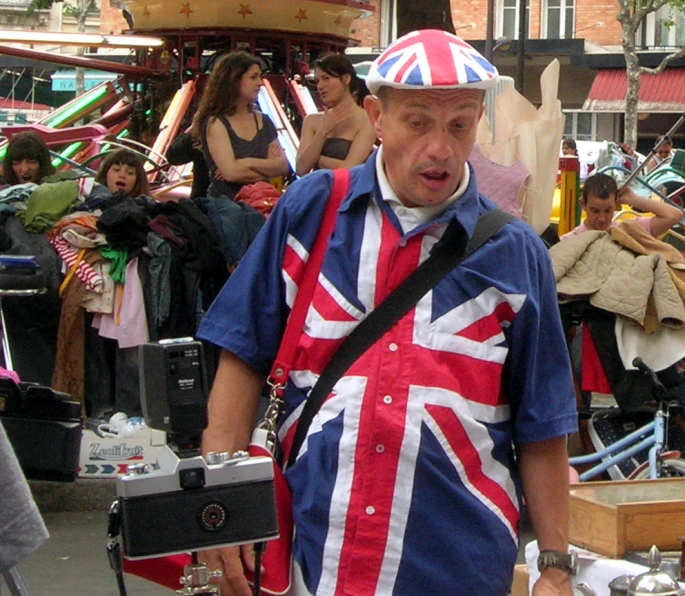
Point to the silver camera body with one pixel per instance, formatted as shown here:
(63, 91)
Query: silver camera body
(187, 504)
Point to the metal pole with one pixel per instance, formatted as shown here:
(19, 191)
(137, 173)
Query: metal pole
(521, 47)
(489, 25)
(636, 171)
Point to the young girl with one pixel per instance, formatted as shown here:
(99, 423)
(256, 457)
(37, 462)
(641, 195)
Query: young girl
(341, 136)
(27, 159)
(122, 171)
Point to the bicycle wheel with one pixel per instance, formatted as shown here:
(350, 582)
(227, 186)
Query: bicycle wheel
(671, 468)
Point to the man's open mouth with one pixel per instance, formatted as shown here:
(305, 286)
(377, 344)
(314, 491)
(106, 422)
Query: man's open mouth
(437, 175)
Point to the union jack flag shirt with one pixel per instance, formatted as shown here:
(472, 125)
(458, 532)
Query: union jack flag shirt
(406, 484)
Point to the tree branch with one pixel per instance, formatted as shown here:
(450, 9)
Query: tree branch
(664, 63)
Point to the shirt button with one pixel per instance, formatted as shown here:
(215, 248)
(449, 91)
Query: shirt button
(370, 510)
(380, 448)
(387, 399)
(402, 243)
(393, 347)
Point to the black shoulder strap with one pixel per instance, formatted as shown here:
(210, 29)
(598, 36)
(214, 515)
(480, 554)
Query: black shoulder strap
(445, 258)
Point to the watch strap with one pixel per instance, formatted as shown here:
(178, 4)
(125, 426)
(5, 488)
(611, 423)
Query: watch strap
(566, 561)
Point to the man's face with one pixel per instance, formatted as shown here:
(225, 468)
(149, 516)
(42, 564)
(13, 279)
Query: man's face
(664, 150)
(427, 137)
(26, 170)
(599, 212)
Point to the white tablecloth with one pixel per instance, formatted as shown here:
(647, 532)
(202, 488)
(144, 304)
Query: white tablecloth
(596, 570)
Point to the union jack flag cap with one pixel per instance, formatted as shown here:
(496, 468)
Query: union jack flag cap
(428, 59)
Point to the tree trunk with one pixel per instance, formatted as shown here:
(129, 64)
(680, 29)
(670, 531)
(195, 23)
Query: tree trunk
(82, 7)
(633, 76)
(423, 14)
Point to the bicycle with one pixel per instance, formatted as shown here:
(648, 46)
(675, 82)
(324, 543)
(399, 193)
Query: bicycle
(661, 463)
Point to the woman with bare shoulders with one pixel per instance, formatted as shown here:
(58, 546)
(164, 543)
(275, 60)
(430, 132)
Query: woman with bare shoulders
(240, 146)
(341, 136)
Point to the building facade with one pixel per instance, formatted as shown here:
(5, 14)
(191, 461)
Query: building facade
(585, 36)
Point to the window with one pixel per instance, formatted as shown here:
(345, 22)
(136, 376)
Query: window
(665, 29)
(507, 18)
(581, 126)
(559, 19)
(389, 23)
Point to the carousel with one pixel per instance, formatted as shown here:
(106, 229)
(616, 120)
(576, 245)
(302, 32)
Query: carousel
(173, 48)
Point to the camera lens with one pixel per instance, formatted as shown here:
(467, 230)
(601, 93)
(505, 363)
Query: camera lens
(212, 517)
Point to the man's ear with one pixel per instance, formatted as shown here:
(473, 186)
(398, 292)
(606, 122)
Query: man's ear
(373, 108)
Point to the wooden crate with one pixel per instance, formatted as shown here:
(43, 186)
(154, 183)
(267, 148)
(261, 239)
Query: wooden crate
(611, 518)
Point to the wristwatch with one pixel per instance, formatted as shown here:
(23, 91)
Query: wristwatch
(566, 561)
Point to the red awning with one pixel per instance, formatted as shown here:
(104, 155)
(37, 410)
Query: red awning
(663, 92)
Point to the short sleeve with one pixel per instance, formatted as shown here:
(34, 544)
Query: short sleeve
(538, 372)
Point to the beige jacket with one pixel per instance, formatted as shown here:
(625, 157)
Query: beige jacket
(625, 271)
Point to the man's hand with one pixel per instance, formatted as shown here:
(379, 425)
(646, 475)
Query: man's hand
(553, 582)
(627, 196)
(227, 560)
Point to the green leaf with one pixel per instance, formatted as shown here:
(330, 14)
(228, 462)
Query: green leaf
(40, 5)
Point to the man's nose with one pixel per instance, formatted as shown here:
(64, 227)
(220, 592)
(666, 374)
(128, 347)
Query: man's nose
(439, 146)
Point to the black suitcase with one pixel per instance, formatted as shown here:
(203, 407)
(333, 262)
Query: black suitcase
(44, 427)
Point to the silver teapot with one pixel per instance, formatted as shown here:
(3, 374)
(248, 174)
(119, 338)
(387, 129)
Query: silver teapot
(648, 583)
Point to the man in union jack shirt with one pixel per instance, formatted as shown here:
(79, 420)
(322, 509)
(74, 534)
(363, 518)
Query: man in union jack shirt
(411, 478)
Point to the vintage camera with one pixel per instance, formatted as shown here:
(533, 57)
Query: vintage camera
(183, 502)
(181, 505)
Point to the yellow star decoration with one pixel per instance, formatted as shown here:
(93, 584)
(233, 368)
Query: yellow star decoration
(146, 11)
(185, 9)
(245, 10)
(301, 15)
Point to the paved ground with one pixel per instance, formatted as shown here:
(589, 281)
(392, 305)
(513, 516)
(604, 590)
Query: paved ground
(74, 561)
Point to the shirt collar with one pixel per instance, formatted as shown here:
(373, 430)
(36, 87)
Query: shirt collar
(413, 217)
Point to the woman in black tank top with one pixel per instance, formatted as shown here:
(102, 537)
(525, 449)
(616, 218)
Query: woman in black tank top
(240, 146)
(341, 136)
(239, 143)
